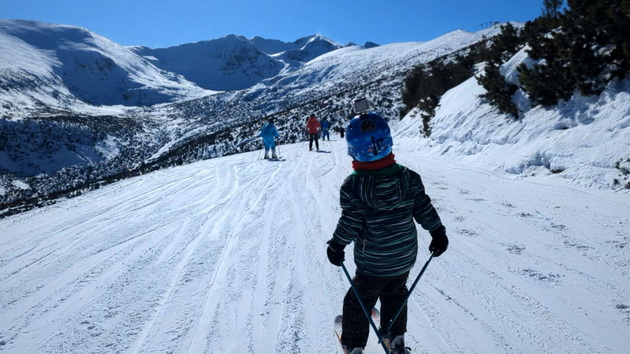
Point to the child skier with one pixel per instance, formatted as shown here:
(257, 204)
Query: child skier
(379, 202)
(268, 134)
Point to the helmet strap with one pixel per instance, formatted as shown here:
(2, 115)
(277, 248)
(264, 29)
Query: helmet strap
(375, 145)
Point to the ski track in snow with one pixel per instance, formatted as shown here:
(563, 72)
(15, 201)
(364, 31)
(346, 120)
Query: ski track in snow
(228, 256)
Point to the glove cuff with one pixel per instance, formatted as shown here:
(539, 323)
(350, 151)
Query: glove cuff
(335, 246)
(439, 232)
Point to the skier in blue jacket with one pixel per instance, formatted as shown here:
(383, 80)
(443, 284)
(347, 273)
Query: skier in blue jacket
(325, 129)
(268, 135)
(379, 202)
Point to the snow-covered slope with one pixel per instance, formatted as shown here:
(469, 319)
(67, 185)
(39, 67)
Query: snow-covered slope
(308, 48)
(272, 46)
(584, 139)
(228, 256)
(234, 62)
(328, 84)
(57, 66)
(228, 63)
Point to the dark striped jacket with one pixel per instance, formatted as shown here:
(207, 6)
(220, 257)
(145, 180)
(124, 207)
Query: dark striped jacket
(378, 212)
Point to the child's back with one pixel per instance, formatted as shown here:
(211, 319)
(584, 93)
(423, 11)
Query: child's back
(379, 204)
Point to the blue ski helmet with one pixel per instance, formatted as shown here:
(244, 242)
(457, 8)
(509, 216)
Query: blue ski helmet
(368, 137)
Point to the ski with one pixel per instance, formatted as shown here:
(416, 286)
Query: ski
(337, 329)
(280, 158)
(376, 316)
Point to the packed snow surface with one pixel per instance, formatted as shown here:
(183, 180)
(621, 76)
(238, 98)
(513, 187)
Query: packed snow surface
(228, 256)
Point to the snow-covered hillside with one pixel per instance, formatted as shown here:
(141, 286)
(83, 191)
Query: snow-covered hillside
(229, 63)
(228, 256)
(309, 49)
(584, 139)
(137, 140)
(58, 67)
(234, 62)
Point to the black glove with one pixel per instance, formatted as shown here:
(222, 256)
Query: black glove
(439, 244)
(335, 253)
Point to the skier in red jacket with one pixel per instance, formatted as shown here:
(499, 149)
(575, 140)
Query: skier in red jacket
(313, 132)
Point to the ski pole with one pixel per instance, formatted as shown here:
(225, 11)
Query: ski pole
(409, 294)
(365, 311)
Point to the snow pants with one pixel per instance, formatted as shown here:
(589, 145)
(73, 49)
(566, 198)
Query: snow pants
(325, 134)
(390, 290)
(312, 137)
(270, 143)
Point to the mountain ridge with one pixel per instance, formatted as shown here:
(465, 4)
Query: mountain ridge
(82, 146)
(108, 143)
(84, 66)
(234, 62)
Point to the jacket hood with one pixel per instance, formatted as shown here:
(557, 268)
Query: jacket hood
(384, 192)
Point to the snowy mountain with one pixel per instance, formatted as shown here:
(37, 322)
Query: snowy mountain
(108, 143)
(308, 49)
(234, 62)
(273, 46)
(369, 45)
(58, 67)
(229, 63)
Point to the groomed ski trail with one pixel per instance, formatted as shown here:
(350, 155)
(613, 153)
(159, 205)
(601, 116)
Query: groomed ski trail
(228, 255)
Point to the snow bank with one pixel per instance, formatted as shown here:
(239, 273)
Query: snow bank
(585, 139)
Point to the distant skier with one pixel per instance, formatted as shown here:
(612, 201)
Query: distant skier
(342, 131)
(325, 129)
(379, 202)
(268, 134)
(313, 132)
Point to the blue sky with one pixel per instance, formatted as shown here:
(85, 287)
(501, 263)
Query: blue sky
(163, 23)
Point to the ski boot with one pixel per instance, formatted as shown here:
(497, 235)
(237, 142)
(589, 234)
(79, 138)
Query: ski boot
(356, 350)
(397, 345)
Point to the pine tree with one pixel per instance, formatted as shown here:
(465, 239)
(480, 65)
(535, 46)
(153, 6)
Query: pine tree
(427, 83)
(589, 47)
(598, 32)
(551, 8)
(546, 84)
(506, 43)
(499, 92)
